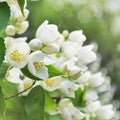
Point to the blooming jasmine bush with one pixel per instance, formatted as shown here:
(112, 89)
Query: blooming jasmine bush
(51, 72)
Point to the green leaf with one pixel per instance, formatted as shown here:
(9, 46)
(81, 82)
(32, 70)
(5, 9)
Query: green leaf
(3, 69)
(26, 72)
(15, 109)
(34, 104)
(4, 16)
(49, 103)
(21, 4)
(53, 71)
(79, 99)
(2, 50)
(52, 117)
(2, 104)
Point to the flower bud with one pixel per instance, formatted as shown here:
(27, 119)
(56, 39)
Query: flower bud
(35, 44)
(23, 27)
(10, 30)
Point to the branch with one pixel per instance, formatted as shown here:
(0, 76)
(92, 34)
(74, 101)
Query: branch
(20, 92)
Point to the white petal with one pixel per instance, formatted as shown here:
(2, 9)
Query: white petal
(50, 49)
(42, 73)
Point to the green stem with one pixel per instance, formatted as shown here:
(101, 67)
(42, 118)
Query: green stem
(21, 91)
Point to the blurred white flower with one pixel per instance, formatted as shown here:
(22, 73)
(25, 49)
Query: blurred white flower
(97, 79)
(86, 55)
(77, 36)
(91, 96)
(68, 111)
(93, 107)
(47, 33)
(105, 112)
(70, 49)
(68, 88)
(36, 65)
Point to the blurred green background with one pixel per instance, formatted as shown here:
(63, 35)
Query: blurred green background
(99, 20)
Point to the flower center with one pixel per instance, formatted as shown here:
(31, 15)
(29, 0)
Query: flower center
(50, 82)
(27, 85)
(37, 65)
(17, 56)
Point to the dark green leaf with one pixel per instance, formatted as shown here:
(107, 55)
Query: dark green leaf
(49, 103)
(2, 105)
(79, 99)
(2, 50)
(53, 71)
(21, 4)
(4, 16)
(34, 104)
(3, 70)
(26, 72)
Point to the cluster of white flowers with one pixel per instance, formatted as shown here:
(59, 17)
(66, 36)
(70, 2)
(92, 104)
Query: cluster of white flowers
(17, 23)
(78, 89)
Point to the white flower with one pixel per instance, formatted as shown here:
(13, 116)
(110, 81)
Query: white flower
(70, 67)
(97, 80)
(51, 84)
(105, 112)
(14, 75)
(77, 36)
(35, 44)
(25, 85)
(47, 33)
(70, 49)
(93, 107)
(84, 78)
(10, 30)
(36, 65)
(86, 55)
(68, 88)
(17, 54)
(22, 27)
(10, 40)
(91, 96)
(68, 111)
(50, 48)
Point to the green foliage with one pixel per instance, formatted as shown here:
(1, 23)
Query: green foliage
(52, 117)
(49, 102)
(14, 107)
(34, 104)
(53, 71)
(2, 50)
(3, 69)
(4, 16)
(21, 4)
(79, 99)
(26, 72)
(2, 105)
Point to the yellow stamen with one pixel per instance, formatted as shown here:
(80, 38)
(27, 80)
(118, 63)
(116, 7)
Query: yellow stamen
(27, 85)
(37, 65)
(50, 82)
(17, 56)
